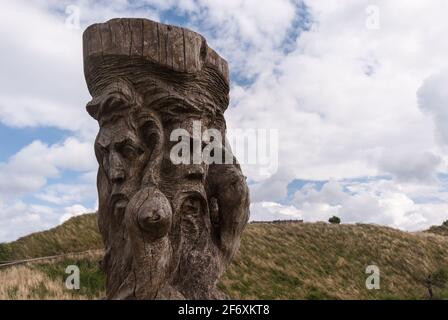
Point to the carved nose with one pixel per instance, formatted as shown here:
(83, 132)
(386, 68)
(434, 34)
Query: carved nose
(152, 211)
(195, 172)
(154, 221)
(117, 175)
(146, 219)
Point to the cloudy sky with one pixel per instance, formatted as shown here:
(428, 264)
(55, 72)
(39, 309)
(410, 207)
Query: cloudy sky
(356, 89)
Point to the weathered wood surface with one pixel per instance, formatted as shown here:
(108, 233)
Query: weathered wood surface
(175, 48)
(169, 230)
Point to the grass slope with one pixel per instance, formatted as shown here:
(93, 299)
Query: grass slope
(275, 261)
(442, 230)
(77, 234)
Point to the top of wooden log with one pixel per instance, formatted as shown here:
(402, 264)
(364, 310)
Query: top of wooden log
(178, 49)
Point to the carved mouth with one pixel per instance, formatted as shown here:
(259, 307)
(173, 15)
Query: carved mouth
(118, 203)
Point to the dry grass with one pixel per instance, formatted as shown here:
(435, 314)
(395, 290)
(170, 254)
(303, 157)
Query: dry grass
(25, 283)
(324, 261)
(33, 281)
(276, 261)
(441, 230)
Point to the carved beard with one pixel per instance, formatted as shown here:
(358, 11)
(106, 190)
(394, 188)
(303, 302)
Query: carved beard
(181, 251)
(176, 234)
(199, 262)
(153, 249)
(178, 244)
(148, 220)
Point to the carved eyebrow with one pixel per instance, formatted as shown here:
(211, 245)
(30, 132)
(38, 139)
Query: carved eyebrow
(114, 102)
(127, 141)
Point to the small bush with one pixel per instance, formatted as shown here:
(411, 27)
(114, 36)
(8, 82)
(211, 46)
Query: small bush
(440, 278)
(5, 252)
(334, 220)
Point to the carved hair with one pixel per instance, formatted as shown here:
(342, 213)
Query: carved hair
(169, 230)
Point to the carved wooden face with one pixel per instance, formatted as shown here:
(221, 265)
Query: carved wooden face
(123, 157)
(168, 228)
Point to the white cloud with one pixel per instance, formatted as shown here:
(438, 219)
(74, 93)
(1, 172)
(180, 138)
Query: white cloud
(42, 79)
(411, 165)
(18, 219)
(249, 33)
(29, 169)
(334, 120)
(382, 202)
(43, 85)
(268, 211)
(273, 189)
(73, 211)
(42, 76)
(433, 100)
(60, 194)
(347, 101)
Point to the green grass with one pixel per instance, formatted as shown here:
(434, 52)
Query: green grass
(5, 251)
(75, 235)
(275, 261)
(92, 279)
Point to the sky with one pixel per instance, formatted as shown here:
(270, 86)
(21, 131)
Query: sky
(356, 91)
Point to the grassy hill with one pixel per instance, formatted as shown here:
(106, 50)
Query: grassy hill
(77, 234)
(275, 261)
(442, 230)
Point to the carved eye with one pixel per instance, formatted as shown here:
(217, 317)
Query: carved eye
(130, 152)
(192, 206)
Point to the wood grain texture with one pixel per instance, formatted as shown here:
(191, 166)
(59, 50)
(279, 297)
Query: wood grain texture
(169, 229)
(176, 48)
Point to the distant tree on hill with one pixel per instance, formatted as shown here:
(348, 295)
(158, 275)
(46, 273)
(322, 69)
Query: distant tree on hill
(334, 220)
(445, 223)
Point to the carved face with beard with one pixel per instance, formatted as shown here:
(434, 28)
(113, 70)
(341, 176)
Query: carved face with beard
(169, 230)
(160, 221)
(123, 158)
(134, 215)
